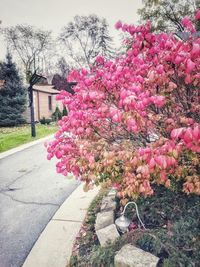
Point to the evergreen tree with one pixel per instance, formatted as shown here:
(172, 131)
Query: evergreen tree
(12, 94)
(64, 112)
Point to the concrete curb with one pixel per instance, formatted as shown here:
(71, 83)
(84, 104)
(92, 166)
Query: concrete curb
(54, 246)
(22, 147)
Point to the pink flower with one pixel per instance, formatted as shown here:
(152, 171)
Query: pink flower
(176, 133)
(100, 59)
(197, 15)
(161, 161)
(186, 21)
(158, 100)
(160, 69)
(190, 66)
(187, 137)
(118, 25)
(178, 59)
(163, 176)
(119, 103)
(195, 49)
(196, 133)
(152, 163)
(58, 154)
(117, 117)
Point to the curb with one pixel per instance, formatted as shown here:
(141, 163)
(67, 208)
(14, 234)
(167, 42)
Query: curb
(54, 246)
(24, 146)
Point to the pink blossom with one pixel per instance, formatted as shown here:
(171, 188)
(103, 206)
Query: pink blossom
(190, 66)
(176, 133)
(195, 49)
(161, 161)
(118, 25)
(151, 90)
(152, 163)
(100, 59)
(196, 133)
(197, 15)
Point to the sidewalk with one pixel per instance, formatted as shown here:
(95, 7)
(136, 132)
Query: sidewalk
(54, 246)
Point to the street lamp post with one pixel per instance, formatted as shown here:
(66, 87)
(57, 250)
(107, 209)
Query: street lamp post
(33, 80)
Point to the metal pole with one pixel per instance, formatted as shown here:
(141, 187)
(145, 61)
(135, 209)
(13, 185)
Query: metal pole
(33, 131)
(33, 80)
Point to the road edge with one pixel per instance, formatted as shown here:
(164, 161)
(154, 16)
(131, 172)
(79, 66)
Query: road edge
(54, 245)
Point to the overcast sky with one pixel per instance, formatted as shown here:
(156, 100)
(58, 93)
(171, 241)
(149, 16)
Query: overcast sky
(54, 14)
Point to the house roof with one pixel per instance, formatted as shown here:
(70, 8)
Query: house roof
(46, 89)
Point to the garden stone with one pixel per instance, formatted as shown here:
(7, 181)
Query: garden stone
(130, 256)
(112, 193)
(108, 204)
(104, 219)
(107, 235)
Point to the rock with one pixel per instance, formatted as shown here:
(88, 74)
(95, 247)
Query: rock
(104, 219)
(107, 235)
(108, 204)
(112, 193)
(130, 256)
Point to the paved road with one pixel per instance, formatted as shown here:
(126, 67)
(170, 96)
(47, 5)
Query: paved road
(30, 194)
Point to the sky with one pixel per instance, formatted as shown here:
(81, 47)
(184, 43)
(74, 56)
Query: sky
(54, 14)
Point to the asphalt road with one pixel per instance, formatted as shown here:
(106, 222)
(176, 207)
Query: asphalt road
(30, 193)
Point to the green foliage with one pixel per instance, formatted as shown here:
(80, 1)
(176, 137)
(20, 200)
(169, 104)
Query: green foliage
(173, 227)
(48, 121)
(87, 239)
(166, 15)
(64, 112)
(45, 121)
(12, 95)
(173, 220)
(57, 115)
(103, 256)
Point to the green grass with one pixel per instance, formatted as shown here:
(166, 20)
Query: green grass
(11, 137)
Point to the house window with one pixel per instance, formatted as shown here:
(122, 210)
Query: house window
(50, 102)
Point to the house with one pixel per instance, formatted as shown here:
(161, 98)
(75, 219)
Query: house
(44, 99)
(2, 82)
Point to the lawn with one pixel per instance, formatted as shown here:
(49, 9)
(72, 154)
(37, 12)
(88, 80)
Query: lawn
(11, 137)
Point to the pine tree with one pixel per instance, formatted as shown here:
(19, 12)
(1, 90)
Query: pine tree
(12, 94)
(64, 112)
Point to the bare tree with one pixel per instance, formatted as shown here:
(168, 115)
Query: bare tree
(29, 44)
(167, 15)
(63, 67)
(86, 37)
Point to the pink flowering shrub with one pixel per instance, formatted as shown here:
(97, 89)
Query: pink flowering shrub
(135, 121)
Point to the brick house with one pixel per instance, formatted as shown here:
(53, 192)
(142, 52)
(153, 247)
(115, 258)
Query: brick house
(44, 99)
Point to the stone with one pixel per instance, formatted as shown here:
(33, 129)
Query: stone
(104, 219)
(112, 193)
(108, 204)
(107, 235)
(130, 256)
